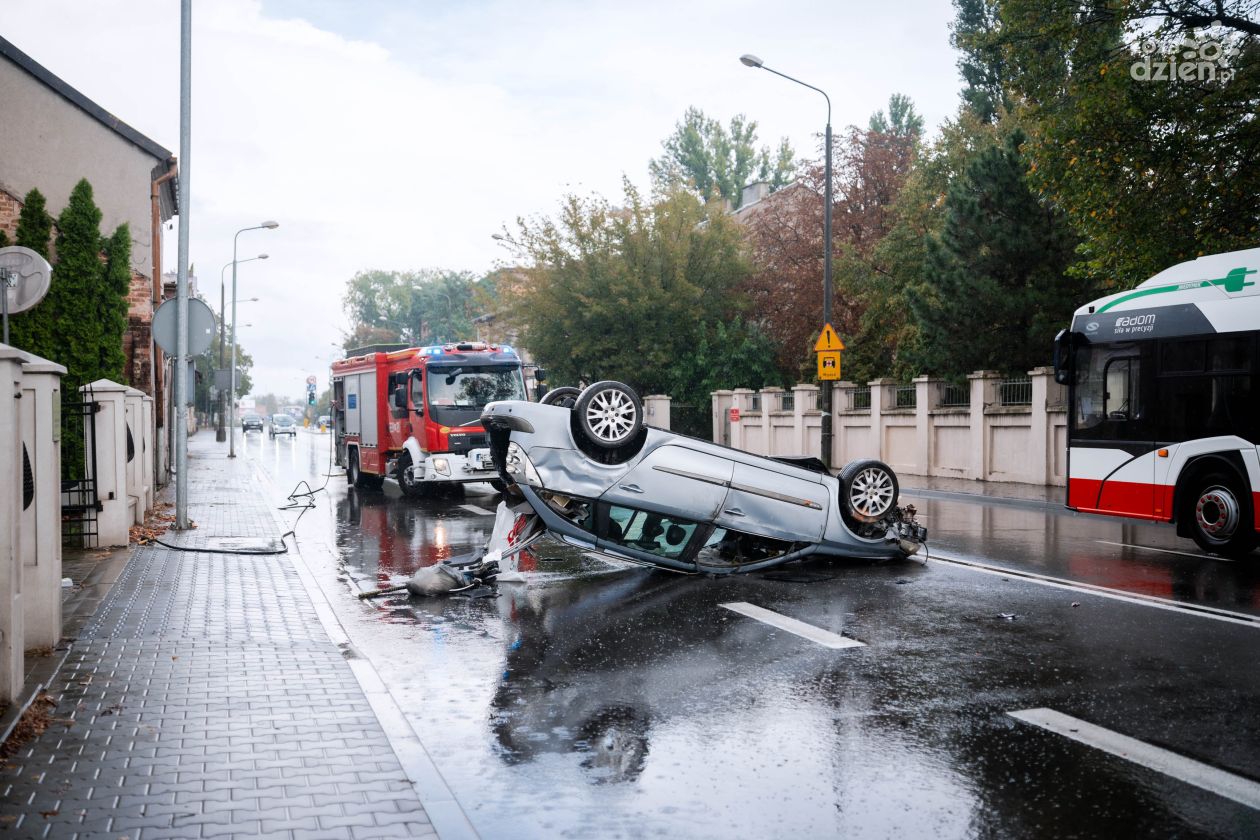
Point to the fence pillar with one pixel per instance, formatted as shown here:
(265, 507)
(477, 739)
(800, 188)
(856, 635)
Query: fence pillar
(721, 417)
(147, 450)
(983, 385)
(12, 619)
(882, 396)
(109, 462)
(137, 486)
(1039, 423)
(39, 524)
(656, 407)
(741, 400)
(925, 396)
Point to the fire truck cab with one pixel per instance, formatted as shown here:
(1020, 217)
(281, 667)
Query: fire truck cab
(414, 414)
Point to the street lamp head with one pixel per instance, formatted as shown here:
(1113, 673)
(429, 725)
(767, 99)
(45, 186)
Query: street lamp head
(750, 60)
(264, 256)
(269, 225)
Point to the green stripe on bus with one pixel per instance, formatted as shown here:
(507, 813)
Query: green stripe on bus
(1234, 281)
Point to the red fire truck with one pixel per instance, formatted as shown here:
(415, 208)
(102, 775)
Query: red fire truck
(414, 414)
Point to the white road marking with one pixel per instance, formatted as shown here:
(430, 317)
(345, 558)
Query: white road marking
(1163, 761)
(799, 628)
(1104, 592)
(478, 510)
(1166, 551)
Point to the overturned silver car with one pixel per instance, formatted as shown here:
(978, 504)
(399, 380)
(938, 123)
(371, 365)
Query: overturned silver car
(599, 478)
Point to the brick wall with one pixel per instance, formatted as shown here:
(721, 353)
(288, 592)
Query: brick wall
(10, 207)
(138, 342)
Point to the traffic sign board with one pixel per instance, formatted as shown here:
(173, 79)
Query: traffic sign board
(829, 340)
(829, 364)
(311, 380)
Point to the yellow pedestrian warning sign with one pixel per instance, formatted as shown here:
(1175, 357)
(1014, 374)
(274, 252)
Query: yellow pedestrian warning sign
(829, 340)
(828, 364)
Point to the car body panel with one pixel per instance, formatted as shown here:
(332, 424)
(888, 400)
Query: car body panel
(671, 475)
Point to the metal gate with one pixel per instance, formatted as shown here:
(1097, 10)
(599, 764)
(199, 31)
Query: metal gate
(80, 503)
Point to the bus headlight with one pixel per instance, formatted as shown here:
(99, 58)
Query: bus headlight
(520, 468)
(441, 466)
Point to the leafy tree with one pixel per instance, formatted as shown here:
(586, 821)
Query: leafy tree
(34, 228)
(430, 306)
(70, 325)
(983, 63)
(786, 238)
(995, 290)
(1150, 172)
(625, 292)
(728, 355)
(112, 303)
(4, 239)
(716, 160)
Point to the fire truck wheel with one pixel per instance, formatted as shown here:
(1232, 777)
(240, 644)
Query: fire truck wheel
(411, 488)
(609, 414)
(356, 476)
(564, 396)
(1221, 515)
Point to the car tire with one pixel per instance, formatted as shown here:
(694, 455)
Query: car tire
(411, 488)
(609, 414)
(868, 491)
(1220, 515)
(565, 396)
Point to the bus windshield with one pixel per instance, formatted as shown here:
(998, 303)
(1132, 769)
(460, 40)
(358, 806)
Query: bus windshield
(474, 386)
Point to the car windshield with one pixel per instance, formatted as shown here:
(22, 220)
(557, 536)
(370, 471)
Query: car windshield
(282, 420)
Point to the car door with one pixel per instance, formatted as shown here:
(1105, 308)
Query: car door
(774, 503)
(676, 480)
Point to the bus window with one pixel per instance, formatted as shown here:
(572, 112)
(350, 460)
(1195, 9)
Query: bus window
(1120, 395)
(1107, 396)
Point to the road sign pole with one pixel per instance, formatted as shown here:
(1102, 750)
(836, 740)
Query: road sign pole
(181, 293)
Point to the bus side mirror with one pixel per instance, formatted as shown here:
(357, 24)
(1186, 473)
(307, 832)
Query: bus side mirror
(540, 375)
(1063, 357)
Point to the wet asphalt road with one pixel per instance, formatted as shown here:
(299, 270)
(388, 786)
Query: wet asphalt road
(598, 701)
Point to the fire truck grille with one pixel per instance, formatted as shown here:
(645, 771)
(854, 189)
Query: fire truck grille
(461, 443)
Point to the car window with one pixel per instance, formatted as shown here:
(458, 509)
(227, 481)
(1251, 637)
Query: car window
(725, 547)
(652, 532)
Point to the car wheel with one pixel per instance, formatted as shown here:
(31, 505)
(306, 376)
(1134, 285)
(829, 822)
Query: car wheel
(868, 490)
(565, 397)
(1221, 516)
(609, 414)
(411, 488)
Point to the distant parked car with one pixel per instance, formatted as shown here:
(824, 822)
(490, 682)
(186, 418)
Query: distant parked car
(282, 424)
(598, 477)
(252, 422)
(324, 422)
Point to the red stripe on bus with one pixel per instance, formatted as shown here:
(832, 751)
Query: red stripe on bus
(1122, 498)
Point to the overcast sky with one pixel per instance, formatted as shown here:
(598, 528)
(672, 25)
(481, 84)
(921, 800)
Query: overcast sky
(399, 134)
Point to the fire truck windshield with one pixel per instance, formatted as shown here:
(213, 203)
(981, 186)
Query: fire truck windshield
(469, 387)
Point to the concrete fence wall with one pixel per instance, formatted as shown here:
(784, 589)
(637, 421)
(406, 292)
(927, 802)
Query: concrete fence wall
(994, 428)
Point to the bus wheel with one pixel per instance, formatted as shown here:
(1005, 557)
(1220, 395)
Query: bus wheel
(411, 488)
(1222, 516)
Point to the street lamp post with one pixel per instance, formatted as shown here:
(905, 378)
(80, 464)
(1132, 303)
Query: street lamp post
(753, 61)
(220, 433)
(269, 225)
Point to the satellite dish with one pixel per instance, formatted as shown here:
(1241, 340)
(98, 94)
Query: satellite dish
(200, 326)
(26, 277)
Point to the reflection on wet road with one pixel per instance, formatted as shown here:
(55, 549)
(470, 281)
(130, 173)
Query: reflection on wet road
(602, 700)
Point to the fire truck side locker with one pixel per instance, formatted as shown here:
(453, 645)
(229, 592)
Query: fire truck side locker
(360, 396)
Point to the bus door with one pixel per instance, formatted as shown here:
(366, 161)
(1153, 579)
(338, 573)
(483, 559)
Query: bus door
(1112, 456)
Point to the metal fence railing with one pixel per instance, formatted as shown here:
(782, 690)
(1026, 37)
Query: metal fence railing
(1015, 391)
(954, 396)
(754, 402)
(859, 399)
(905, 396)
(808, 400)
(787, 401)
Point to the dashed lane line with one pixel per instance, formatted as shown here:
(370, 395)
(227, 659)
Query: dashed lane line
(480, 511)
(1104, 592)
(1141, 753)
(1166, 551)
(799, 628)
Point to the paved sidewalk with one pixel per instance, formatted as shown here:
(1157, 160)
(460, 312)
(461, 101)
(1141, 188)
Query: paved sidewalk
(963, 488)
(205, 698)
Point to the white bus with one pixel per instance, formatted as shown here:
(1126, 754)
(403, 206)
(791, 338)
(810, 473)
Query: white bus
(1164, 395)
